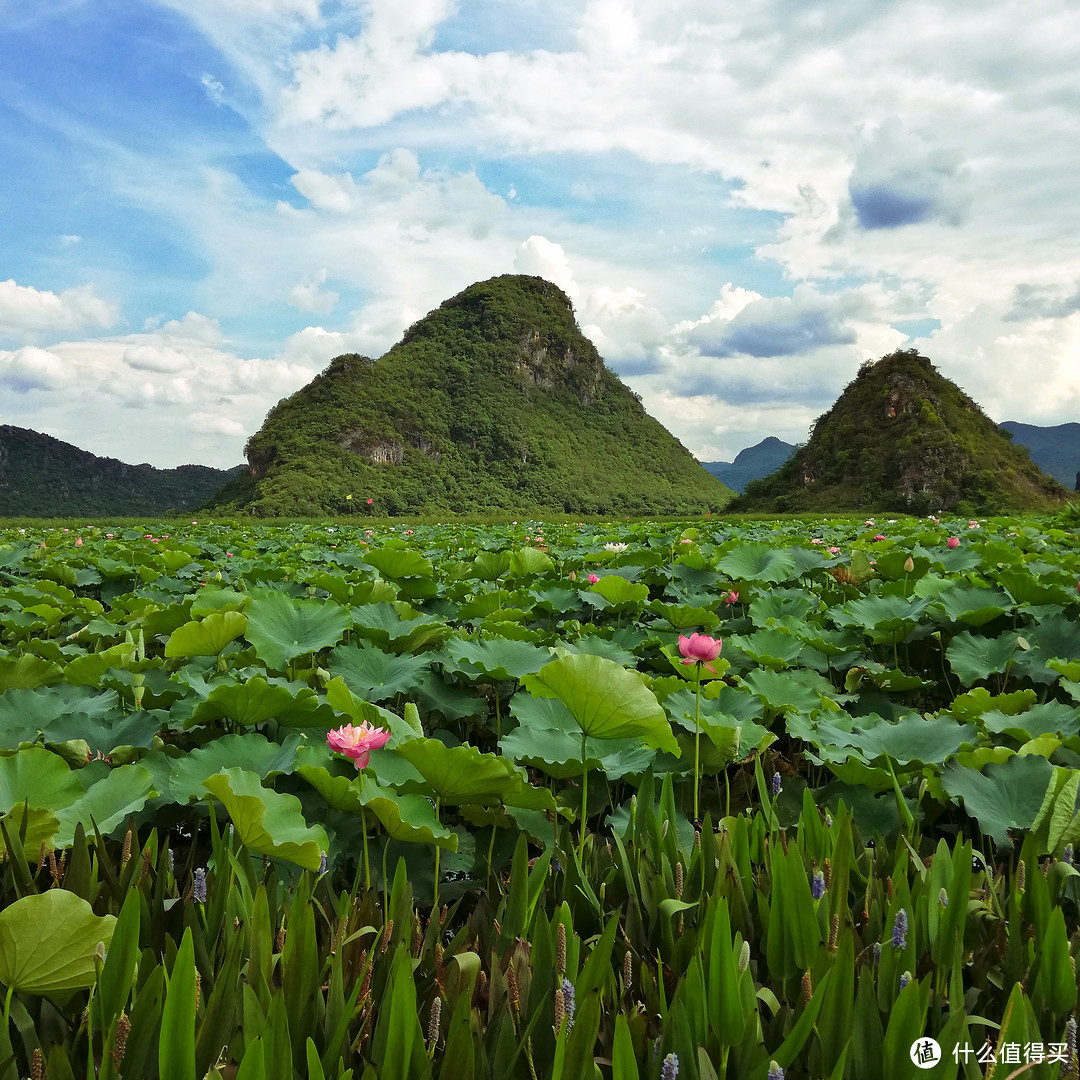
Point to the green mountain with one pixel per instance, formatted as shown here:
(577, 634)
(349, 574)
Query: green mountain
(1056, 450)
(903, 437)
(753, 463)
(494, 402)
(43, 477)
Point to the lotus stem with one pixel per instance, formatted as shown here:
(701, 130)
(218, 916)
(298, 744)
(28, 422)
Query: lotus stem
(584, 800)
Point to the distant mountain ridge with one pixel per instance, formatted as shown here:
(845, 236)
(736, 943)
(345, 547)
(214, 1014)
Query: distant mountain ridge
(44, 477)
(903, 437)
(753, 463)
(1056, 450)
(493, 402)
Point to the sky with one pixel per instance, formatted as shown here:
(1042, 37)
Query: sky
(204, 201)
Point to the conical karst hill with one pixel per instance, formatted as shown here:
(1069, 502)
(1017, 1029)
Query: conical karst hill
(494, 402)
(903, 437)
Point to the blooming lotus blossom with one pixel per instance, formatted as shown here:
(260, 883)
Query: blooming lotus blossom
(370, 501)
(816, 540)
(954, 542)
(880, 536)
(593, 579)
(731, 597)
(834, 551)
(616, 547)
(357, 742)
(869, 522)
(700, 649)
(973, 524)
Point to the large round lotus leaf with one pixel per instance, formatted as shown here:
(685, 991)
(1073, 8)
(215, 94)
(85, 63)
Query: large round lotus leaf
(106, 803)
(208, 636)
(374, 674)
(495, 658)
(619, 592)
(974, 605)
(1001, 797)
(26, 713)
(758, 562)
(256, 701)
(460, 774)
(681, 617)
(529, 560)
(1048, 718)
(267, 822)
(410, 818)
(282, 628)
(887, 618)
(397, 563)
(973, 658)
(40, 776)
(490, 565)
(48, 943)
(187, 773)
(606, 700)
(28, 672)
(803, 690)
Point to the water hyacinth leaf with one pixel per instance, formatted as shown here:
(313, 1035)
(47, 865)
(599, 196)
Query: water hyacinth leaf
(282, 628)
(605, 699)
(973, 657)
(206, 636)
(267, 823)
(1000, 797)
(49, 941)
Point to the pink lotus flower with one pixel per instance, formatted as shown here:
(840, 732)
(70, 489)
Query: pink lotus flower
(954, 542)
(869, 521)
(880, 536)
(834, 551)
(700, 649)
(357, 743)
(973, 524)
(370, 501)
(593, 579)
(731, 597)
(78, 542)
(816, 540)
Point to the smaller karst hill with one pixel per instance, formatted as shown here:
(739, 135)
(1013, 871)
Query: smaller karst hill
(903, 437)
(44, 477)
(494, 402)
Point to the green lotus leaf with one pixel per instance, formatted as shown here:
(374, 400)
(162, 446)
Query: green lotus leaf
(216, 598)
(49, 943)
(758, 562)
(609, 648)
(1026, 588)
(802, 690)
(26, 713)
(496, 658)
(343, 700)
(385, 624)
(255, 701)
(528, 561)
(282, 628)
(106, 803)
(35, 826)
(774, 648)
(618, 592)
(37, 775)
(1000, 797)
(1048, 718)
(606, 700)
(460, 774)
(408, 818)
(886, 619)
(186, 774)
(490, 565)
(267, 822)
(28, 672)
(681, 617)
(781, 604)
(975, 703)
(397, 563)
(973, 657)
(974, 605)
(207, 636)
(376, 675)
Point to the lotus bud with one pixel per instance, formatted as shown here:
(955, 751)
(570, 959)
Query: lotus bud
(909, 565)
(744, 957)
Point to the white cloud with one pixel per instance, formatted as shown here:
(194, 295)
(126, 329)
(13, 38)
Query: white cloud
(541, 257)
(24, 309)
(308, 295)
(214, 88)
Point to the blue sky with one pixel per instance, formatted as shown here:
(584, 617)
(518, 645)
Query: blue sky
(207, 200)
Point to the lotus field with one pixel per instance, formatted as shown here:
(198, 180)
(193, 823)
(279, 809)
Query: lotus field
(697, 800)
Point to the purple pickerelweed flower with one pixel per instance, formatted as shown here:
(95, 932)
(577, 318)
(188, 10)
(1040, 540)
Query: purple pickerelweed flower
(899, 930)
(905, 979)
(323, 860)
(670, 1069)
(568, 1001)
(875, 952)
(817, 885)
(775, 784)
(775, 1072)
(198, 890)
